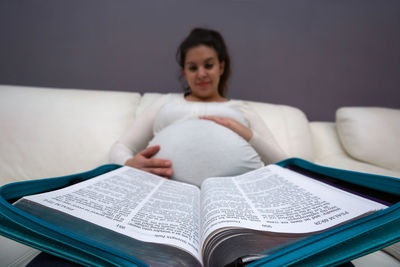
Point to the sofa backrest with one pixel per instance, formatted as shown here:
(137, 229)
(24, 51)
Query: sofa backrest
(47, 132)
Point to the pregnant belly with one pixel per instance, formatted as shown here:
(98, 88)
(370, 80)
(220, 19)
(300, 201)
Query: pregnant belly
(199, 149)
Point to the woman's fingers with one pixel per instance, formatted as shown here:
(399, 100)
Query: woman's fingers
(232, 124)
(164, 172)
(156, 163)
(220, 120)
(144, 161)
(149, 151)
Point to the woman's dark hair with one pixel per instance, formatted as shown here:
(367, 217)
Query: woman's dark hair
(210, 38)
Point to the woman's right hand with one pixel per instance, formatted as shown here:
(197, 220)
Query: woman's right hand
(144, 161)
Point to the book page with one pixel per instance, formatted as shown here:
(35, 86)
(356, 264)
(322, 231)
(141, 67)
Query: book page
(134, 203)
(276, 199)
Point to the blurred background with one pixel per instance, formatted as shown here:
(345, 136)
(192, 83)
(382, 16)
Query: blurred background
(316, 55)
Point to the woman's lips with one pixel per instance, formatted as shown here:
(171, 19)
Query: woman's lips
(202, 84)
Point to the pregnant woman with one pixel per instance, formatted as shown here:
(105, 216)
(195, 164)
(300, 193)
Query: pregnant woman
(198, 134)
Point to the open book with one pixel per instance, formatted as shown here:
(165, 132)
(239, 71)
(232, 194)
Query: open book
(165, 222)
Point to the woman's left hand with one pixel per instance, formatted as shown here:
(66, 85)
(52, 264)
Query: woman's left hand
(232, 124)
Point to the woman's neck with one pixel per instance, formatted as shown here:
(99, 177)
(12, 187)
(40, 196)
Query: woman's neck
(193, 98)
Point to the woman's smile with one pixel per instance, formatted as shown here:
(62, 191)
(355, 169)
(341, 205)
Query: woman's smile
(203, 84)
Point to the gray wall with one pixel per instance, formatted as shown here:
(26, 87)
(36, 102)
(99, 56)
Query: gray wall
(316, 55)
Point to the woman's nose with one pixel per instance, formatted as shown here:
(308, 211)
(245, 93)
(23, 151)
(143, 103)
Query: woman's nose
(202, 72)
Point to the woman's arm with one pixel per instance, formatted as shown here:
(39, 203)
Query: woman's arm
(232, 124)
(130, 149)
(262, 140)
(257, 134)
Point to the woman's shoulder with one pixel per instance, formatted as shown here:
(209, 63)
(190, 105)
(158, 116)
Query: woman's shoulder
(162, 99)
(176, 96)
(237, 103)
(170, 97)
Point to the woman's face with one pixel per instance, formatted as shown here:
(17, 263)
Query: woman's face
(202, 71)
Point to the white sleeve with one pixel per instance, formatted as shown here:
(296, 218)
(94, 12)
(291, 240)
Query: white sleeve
(138, 135)
(262, 141)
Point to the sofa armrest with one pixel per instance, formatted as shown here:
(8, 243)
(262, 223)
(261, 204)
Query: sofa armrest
(371, 134)
(328, 151)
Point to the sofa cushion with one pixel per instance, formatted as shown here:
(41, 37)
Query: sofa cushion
(15, 254)
(371, 134)
(49, 132)
(290, 127)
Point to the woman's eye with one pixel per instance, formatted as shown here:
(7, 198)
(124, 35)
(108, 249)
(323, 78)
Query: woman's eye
(192, 68)
(209, 66)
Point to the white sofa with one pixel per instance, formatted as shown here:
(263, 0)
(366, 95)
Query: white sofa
(49, 132)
